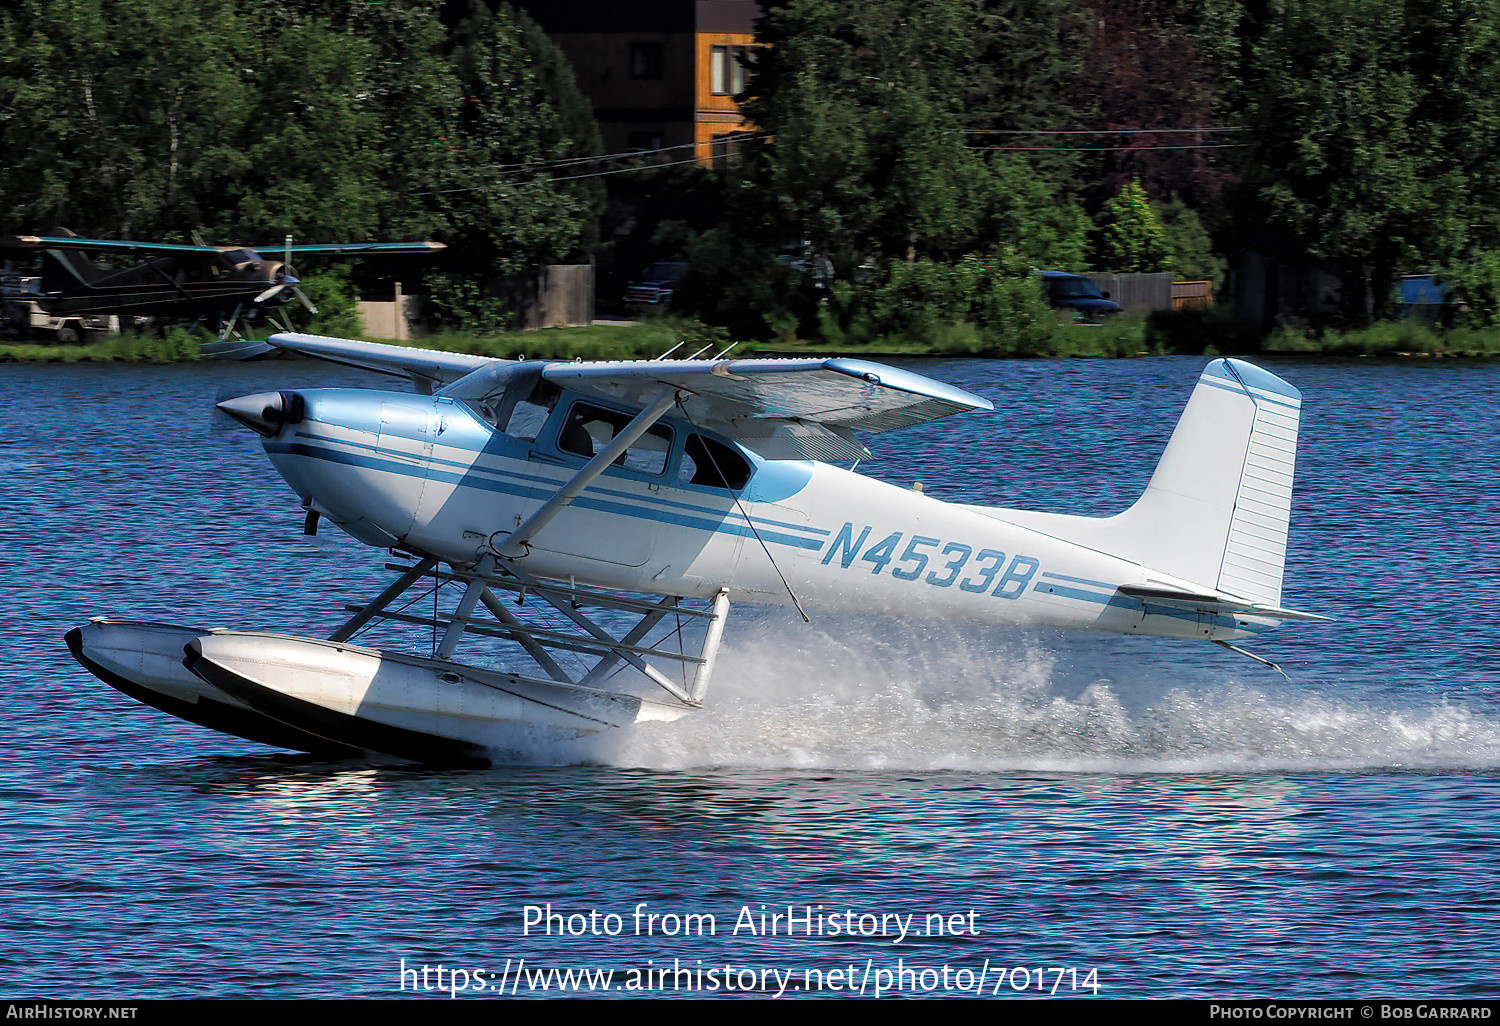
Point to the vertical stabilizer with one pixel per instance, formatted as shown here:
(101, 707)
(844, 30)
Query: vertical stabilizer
(1217, 508)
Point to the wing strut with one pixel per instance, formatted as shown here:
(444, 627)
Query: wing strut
(751, 523)
(520, 540)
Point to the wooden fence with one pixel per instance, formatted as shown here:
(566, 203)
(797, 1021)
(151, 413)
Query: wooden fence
(1188, 294)
(558, 295)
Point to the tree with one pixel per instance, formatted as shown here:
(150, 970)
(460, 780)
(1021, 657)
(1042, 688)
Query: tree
(519, 110)
(1028, 57)
(1131, 239)
(1191, 250)
(312, 144)
(1373, 124)
(115, 121)
(866, 158)
(1148, 66)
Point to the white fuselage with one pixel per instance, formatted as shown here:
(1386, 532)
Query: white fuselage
(426, 473)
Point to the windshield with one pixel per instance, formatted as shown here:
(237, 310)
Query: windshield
(1073, 288)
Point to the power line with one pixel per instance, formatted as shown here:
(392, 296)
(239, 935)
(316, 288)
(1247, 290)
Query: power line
(627, 170)
(1096, 131)
(567, 178)
(565, 162)
(1113, 149)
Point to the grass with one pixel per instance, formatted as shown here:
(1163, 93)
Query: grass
(1388, 338)
(175, 346)
(1206, 333)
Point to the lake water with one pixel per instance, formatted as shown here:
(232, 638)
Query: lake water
(1158, 819)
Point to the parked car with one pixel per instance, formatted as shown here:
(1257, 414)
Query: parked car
(21, 317)
(652, 291)
(1068, 291)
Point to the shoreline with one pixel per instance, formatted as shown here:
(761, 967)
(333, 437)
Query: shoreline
(1396, 340)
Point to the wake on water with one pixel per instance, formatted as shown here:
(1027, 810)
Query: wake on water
(867, 696)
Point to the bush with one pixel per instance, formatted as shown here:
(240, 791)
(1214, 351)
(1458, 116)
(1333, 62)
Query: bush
(1195, 330)
(337, 302)
(989, 304)
(460, 304)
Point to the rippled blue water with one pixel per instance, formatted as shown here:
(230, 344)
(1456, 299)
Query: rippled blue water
(1183, 821)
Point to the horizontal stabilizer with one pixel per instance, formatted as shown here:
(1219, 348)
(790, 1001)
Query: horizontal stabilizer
(1208, 603)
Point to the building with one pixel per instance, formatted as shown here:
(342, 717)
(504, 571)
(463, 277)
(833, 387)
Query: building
(662, 75)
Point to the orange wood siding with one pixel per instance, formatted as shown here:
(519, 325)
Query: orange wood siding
(714, 114)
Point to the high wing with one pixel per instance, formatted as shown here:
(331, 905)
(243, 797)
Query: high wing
(428, 369)
(273, 248)
(783, 409)
(117, 245)
(351, 247)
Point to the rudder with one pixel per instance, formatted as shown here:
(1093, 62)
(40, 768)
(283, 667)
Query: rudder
(1219, 503)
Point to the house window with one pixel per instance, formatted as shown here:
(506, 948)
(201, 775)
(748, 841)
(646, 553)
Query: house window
(645, 141)
(645, 60)
(727, 70)
(726, 149)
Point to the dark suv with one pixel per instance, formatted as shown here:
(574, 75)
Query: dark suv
(652, 291)
(1067, 291)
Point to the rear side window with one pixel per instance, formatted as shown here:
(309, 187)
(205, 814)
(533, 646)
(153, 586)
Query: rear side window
(590, 428)
(711, 463)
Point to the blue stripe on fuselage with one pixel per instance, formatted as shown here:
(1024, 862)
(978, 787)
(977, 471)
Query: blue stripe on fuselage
(584, 501)
(545, 482)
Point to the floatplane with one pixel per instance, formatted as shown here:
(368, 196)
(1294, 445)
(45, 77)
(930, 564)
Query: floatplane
(571, 511)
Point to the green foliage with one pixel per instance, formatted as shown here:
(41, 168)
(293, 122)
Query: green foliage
(739, 283)
(325, 119)
(311, 145)
(516, 105)
(1475, 282)
(1191, 251)
(866, 164)
(175, 345)
(458, 303)
(1388, 338)
(1200, 330)
(867, 160)
(337, 301)
(1034, 218)
(1131, 239)
(1370, 125)
(113, 118)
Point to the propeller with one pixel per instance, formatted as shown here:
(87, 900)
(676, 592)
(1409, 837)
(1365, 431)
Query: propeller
(287, 282)
(265, 413)
(219, 422)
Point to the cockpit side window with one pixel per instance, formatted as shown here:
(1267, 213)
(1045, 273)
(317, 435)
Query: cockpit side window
(526, 420)
(709, 462)
(590, 428)
(526, 416)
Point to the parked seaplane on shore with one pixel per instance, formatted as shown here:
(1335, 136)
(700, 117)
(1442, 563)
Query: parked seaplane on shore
(556, 501)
